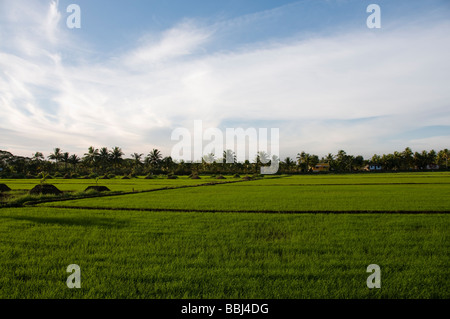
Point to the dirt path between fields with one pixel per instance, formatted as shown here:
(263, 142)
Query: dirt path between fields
(251, 211)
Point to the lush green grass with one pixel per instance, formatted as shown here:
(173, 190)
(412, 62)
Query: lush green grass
(235, 255)
(116, 184)
(132, 254)
(259, 197)
(75, 188)
(359, 179)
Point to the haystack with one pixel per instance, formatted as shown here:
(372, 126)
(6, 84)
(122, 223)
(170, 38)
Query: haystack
(4, 188)
(45, 189)
(98, 188)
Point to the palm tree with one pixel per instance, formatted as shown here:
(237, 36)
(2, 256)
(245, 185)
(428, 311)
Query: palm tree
(344, 161)
(209, 158)
(154, 158)
(228, 160)
(407, 158)
(359, 162)
(56, 156)
(116, 156)
(330, 160)
(420, 160)
(313, 161)
(303, 160)
(274, 158)
(262, 157)
(376, 159)
(431, 157)
(65, 160)
(38, 157)
(136, 160)
(443, 157)
(74, 160)
(289, 164)
(37, 161)
(229, 157)
(91, 157)
(103, 158)
(208, 162)
(167, 164)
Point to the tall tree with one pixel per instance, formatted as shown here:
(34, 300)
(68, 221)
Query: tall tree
(229, 157)
(313, 161)
(303, 161)
(56, 155)
(153, 159)
(344, 162)
(104, 158)
(167, 164)
(288, 164)
(420, 160)
(431, 157)
(74, 160)
(136, 160)
(38, 157)
(116, 157)
(443, 157)
(408, 159)
(91, 157)
(65, 160)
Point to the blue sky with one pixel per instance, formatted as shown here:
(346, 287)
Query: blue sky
(136, 70)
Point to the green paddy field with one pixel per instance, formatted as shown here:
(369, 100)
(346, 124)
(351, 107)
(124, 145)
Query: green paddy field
(290, 237)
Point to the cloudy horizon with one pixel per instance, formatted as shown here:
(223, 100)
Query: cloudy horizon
(312, 69)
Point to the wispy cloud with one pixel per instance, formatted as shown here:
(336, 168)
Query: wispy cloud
(183, 40)
(397, 78)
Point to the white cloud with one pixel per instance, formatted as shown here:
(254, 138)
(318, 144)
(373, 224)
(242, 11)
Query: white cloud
(171, 79)
(182, 40)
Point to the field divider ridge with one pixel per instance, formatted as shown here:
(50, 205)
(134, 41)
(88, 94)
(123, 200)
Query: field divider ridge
(181, 210)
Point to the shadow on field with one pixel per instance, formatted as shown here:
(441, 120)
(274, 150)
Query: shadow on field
(73, 221)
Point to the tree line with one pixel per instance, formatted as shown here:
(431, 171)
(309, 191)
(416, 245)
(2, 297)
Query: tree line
(112, 162)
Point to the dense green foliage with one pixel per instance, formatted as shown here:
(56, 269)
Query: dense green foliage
(107, 162)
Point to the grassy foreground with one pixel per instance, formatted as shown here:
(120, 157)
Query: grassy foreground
(233, 255)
